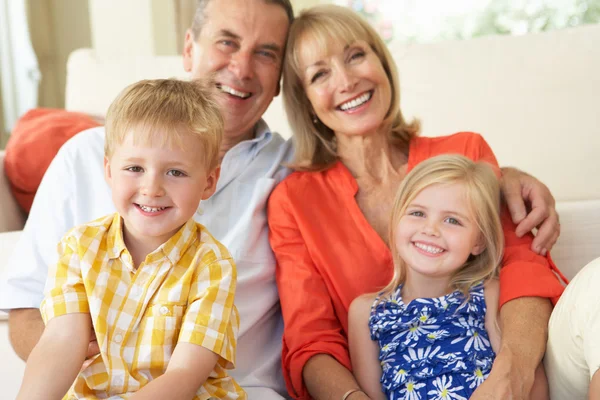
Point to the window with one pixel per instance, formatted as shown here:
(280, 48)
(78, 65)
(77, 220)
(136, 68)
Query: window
(433, 20)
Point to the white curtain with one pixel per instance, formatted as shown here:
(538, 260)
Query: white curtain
(19, 72)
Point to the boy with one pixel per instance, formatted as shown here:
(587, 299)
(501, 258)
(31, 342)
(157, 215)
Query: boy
(153, 284)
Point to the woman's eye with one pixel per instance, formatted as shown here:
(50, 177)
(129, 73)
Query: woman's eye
(317, 76)
(357, 55)
(417, 213)
(176, 173)
(135, 168)
(453, 221)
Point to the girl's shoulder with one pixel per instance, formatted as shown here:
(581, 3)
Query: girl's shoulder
(361, 307)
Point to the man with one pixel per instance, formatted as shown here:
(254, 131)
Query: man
(240, 43)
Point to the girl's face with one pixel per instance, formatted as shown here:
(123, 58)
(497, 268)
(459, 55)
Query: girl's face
(437, 233)
(346, 85)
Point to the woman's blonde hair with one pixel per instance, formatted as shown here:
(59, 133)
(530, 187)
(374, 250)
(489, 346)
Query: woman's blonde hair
(315, 148)
(162, 111)
(482, 194)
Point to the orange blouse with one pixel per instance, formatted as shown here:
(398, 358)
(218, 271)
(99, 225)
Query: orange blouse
(328, 254)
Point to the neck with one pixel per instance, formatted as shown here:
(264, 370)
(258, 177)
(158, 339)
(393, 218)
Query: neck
(231, 139)
(371, 156)
(139, 248)
(418, 286)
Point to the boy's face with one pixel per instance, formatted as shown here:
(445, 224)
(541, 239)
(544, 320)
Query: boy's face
(157, 189)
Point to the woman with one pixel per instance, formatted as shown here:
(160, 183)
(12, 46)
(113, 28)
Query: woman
(328, 221)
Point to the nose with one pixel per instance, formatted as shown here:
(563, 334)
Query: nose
(431, 228)
(346, 79)
(152, 186)
(240, 65)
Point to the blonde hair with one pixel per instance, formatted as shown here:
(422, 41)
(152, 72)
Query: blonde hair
(314, 143)
(162, 112)
(482, 194)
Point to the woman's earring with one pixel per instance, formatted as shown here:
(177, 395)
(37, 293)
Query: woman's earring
(315, 119)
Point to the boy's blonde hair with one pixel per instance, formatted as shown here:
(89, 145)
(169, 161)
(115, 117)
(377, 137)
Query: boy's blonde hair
(327, 24)
(482, 192)
(162, 111)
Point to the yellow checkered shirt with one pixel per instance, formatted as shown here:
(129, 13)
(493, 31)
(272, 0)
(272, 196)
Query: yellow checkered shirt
(182, 292)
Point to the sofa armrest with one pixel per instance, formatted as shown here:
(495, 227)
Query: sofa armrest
(12, 217)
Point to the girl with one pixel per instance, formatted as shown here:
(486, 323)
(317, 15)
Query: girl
(432, 332)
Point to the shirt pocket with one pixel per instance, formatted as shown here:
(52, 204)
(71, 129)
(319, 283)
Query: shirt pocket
(160, 327)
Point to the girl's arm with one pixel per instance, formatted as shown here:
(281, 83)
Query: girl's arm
(364, 352)
(492, 320)
(188, 369)
(56, 360)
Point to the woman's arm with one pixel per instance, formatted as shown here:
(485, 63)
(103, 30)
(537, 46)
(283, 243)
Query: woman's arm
(594, 393)
(56, 360)
(364, 352)
(315, 350)
(187, 371)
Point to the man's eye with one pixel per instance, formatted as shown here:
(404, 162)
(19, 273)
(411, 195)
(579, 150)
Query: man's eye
(135, 168)
(176, 173)
(267, 54)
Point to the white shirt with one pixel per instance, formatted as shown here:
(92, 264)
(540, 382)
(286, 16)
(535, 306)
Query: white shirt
(573, 352)
(73, 191)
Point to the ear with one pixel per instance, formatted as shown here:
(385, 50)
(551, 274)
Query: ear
(211, 183)
(188, 50)
(107, 173)
(479, 246)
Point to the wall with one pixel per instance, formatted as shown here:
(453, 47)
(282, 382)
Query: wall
(57, 27)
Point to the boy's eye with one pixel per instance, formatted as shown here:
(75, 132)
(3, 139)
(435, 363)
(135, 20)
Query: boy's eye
(417, 213)
(176, 173)
(453, 221)
(135, 168)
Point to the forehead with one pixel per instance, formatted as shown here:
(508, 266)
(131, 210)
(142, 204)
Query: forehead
(448, 196)
(251, 20)
(321, 43)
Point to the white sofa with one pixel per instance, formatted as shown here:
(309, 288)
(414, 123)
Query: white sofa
(534, 98)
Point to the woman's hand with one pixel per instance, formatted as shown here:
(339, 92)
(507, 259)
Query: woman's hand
(523, 192)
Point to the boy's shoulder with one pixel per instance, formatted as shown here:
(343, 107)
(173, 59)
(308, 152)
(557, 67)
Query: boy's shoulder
(209, 247)
(96, 228)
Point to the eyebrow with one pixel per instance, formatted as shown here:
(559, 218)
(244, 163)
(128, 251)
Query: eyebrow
(463, 216)
(267, 46)
(321, 62)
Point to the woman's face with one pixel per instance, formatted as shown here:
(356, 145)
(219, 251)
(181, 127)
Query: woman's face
(346, 85)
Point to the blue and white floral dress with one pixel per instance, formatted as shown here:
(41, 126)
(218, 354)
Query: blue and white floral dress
(432, 348)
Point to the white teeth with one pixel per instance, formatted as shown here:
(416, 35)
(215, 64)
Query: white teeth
(356, 102)
(429, 248)
(151, 209)
(233, 92)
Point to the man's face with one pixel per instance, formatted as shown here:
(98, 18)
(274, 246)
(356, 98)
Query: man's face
(241, 45)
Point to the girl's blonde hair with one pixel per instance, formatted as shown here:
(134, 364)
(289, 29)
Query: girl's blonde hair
(482, 194)
(314, 142)
(162, 111)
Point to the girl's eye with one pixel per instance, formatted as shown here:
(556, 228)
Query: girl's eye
(453, 221)
(176, 173)
(417, 213)
(135, 168)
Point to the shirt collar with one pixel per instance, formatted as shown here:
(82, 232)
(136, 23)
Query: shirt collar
(172, 248)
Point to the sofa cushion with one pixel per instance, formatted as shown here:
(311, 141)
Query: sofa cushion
(33, 143)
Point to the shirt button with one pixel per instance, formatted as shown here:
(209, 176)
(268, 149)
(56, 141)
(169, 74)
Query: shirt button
(118, 338)
(164, 310)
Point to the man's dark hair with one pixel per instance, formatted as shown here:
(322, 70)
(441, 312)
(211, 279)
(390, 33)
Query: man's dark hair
(199, 15)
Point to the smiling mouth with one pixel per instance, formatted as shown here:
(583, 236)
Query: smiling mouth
(231, 91)
(151, 209)
(428, 248)
(356, 102)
